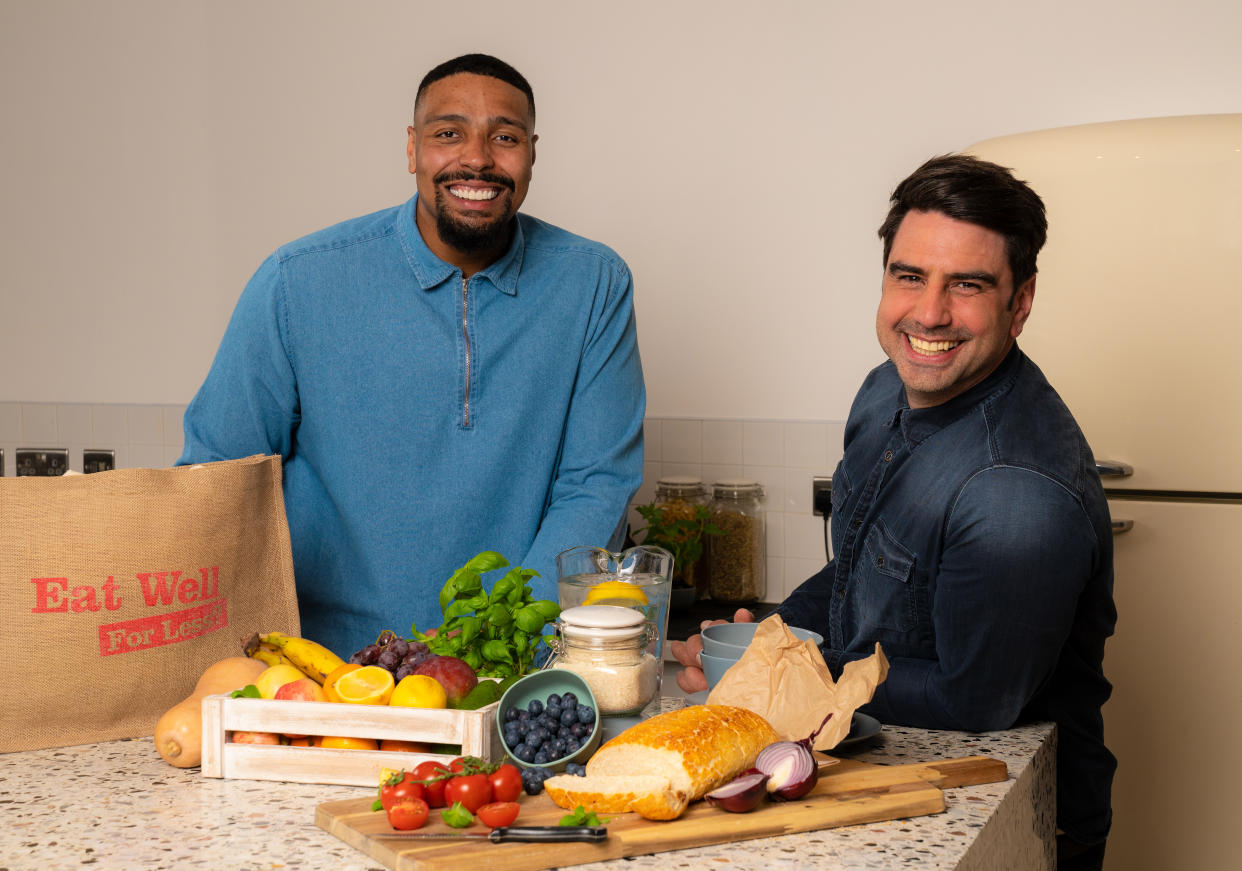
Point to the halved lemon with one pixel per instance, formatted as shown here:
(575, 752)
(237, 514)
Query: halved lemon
(614, 590)
(329, 683)
(369, 685)
(418, 691)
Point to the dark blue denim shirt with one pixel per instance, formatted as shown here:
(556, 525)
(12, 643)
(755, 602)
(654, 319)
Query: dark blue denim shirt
(972, 541)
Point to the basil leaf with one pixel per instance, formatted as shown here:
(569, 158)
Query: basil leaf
(457, 816)
(528, 619)
(497, 651)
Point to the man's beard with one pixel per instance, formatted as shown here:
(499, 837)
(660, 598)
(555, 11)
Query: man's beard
(470, 238)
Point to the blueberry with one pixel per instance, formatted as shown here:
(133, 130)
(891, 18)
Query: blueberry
(569, 716)
(535, 707)
(535, 739)
(554, 699)
(569, 700)
(547, 722)
(579, 730)
(541, 758)
(586, 714)
(575, 769)
(572, 746)
(511, 714)
(523, 716)
(553, 711)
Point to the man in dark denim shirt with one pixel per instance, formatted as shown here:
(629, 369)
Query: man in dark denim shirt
(971, 535)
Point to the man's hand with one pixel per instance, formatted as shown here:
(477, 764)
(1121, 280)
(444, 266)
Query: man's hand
(691, 678)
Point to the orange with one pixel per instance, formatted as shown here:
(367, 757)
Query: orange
(329, 683)
(405, 746)
(369, 685)
(349, 743)
(418, 691)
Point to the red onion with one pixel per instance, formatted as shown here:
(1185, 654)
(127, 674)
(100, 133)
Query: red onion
(741, 794)
(792, 770)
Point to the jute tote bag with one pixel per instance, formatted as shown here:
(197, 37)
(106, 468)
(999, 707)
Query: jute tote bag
(118, 589)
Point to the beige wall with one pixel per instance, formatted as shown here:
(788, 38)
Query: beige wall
(737, 154)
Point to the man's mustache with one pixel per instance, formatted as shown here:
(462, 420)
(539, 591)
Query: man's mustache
(486, 177)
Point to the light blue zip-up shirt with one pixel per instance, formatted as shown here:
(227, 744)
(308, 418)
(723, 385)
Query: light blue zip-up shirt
(423, 418)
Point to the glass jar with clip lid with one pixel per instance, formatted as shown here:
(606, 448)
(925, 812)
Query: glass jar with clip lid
(606, 645)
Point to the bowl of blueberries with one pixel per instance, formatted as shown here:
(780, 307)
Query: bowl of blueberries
(548, 720)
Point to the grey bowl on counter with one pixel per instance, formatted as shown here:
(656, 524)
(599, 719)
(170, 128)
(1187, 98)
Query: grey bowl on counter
(730, 639)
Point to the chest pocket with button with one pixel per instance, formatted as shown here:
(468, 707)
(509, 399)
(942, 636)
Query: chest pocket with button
(881, 582)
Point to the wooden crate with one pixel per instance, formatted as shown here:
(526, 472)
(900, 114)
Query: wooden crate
(475, 731)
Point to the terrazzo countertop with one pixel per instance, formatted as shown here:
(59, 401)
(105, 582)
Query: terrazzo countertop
(118, 805)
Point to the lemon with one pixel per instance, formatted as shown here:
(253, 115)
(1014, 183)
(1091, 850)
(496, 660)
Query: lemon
(369, 685)
(613, 590)
(418, 691)
(274, 677)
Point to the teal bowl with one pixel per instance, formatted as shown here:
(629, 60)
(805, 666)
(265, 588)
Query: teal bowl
(714, 667)
(730, 639)
(539, 686)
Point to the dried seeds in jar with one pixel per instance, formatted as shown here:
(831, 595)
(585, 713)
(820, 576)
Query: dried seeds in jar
(737, 556)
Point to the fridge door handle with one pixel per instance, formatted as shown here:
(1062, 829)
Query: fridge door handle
(1113, 469)
(1120, 526)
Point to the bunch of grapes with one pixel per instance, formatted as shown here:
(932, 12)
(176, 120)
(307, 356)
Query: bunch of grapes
(394, 653)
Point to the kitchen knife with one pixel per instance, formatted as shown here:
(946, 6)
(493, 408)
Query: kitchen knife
(543, 834)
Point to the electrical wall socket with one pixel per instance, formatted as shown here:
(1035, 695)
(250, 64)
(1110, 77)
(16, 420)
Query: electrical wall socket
(41, 462)
(821, 496)
(98, 460)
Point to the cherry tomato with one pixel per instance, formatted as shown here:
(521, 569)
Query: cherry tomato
(433, 792)
(405, 788)
(408, 813)
(472, 790)
(506, 783)
(499, 813)
(458, 765)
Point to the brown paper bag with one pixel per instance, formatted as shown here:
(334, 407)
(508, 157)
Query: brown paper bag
(786, 681)
(118, 589)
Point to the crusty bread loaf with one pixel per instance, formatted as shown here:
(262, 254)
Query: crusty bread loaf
(648, 795)
(690, 752)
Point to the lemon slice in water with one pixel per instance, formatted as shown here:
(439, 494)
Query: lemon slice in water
(611, 591)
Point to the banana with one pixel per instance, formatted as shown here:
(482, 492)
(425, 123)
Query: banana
(270, 655)
(311, 657)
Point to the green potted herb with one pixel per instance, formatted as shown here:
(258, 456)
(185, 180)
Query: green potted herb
(679, 528)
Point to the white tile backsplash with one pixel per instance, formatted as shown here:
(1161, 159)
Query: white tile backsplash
(783, 456)
(147, 436)
(39, 428)
(682, 441)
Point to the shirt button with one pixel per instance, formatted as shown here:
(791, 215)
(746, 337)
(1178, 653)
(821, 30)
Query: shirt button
(879, 562)
(888, 456)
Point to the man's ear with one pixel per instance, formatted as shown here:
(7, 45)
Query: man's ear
(1023, 297)
(411, 151)
(533, 140)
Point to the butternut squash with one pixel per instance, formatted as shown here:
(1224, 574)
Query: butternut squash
(179, 733)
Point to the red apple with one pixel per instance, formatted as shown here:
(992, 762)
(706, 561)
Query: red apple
(304, 690)
(255, 738)
(452, 673)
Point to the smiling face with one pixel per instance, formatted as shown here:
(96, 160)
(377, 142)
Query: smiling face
(948, 311)
(471, 148)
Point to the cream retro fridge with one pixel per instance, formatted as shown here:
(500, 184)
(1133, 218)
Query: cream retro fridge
(1137, 322)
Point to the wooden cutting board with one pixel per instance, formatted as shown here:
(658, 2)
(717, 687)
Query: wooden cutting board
(849, 792)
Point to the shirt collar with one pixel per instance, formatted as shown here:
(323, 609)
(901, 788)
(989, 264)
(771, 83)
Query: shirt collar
(431, 272)
(918, 424)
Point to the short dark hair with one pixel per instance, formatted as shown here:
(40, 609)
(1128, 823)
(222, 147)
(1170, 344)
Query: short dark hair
(479, 65)
(979, 192)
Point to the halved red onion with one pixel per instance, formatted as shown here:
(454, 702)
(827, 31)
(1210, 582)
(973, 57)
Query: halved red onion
(741, 794)
(791, 769)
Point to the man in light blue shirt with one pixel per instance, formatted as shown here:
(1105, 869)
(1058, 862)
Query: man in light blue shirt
(441, 378)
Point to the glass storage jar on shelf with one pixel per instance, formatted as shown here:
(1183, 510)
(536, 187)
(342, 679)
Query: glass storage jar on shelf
(606, 645)
(681, 497)
(737, 555)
